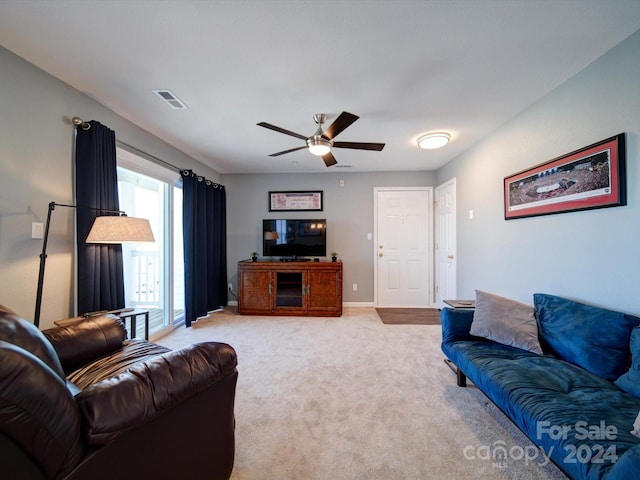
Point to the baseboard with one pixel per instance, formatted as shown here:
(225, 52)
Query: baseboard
(234, 303)
(357, 304)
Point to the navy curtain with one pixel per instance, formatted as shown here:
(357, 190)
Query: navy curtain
(204, 226)
(100, 273)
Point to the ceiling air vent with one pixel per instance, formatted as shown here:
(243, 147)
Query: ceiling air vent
(173, 101)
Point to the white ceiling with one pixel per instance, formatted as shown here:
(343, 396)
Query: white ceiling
(405, 67)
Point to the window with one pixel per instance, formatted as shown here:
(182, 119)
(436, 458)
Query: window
(153, 272)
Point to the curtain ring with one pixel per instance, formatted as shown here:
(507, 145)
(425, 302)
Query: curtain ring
(190, 173)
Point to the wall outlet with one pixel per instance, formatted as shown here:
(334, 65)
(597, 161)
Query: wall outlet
(355, 287)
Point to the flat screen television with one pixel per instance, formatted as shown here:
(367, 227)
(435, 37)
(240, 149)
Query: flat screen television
(294, 237)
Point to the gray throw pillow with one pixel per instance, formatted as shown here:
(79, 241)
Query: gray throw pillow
(636, 427)
(505, 321)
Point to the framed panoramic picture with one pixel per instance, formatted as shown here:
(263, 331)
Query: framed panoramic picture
(295, 201)
(592, 177)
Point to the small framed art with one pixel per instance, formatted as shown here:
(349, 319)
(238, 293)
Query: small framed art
(296, 201)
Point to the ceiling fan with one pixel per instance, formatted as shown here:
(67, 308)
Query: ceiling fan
(320, 143)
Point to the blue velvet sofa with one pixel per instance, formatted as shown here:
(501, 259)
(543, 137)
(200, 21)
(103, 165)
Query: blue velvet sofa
(577, 398)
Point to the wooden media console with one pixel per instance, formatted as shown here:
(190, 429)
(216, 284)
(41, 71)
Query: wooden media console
(304, 288)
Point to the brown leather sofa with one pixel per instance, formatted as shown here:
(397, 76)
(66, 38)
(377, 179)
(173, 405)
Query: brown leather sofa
(81, 402)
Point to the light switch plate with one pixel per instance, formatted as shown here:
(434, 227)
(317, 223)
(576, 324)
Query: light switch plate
(37, 230)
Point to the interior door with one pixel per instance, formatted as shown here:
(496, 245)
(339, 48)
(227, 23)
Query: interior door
(446, 261)
(403, 274)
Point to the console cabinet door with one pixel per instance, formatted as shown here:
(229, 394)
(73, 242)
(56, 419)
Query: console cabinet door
(255, 292)
(289, 288)
(324, 292)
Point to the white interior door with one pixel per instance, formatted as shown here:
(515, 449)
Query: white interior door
(403, 274)
(446, 242)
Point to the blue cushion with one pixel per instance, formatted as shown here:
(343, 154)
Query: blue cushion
(541, 393)
(630, 381)
(594, 338)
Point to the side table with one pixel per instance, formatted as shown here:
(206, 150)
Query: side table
(132, 315)
(461, 303)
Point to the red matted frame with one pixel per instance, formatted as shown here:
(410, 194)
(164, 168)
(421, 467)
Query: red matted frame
(592, 177)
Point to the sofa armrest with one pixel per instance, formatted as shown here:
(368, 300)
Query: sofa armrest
(87, 339)
(38, 415)
(148, 389)
(456, 324)
(626, 465)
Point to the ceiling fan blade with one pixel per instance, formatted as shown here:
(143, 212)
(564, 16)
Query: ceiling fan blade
(343, 121)
(360, 145)
(329, 159)
(287, 151)
(281, 130)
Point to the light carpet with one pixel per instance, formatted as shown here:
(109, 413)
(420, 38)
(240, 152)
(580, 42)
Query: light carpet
(351, 398)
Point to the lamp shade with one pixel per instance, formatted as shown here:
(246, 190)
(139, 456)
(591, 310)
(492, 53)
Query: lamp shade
(120, 229)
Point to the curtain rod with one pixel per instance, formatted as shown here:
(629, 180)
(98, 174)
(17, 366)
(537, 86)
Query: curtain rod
(179, 170)
(138, 151)
(78, 122)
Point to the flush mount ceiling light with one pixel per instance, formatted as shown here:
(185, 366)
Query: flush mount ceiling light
(434, 140)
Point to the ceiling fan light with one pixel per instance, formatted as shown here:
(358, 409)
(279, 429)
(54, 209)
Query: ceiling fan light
(432, 141)
(318, 145)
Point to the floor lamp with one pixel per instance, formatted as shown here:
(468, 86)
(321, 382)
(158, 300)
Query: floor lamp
(106, 229)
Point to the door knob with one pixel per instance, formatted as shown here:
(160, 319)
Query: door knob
(450, 257)
(381, 254)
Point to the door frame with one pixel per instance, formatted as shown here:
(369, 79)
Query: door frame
(430, 239)
(136, 163)
(452, 186)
